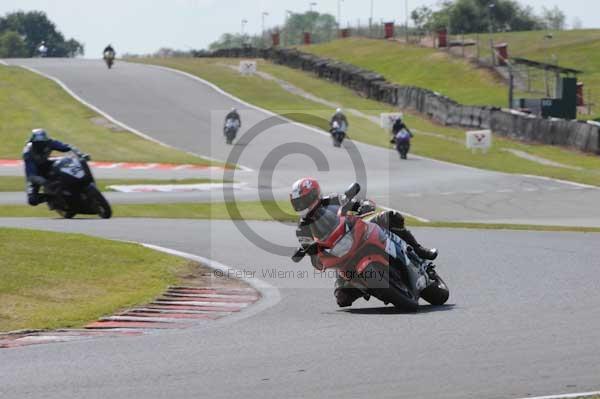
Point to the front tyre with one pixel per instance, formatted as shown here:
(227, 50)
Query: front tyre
(99, 204)
(386, 284)
(437, 293)
(66, 214)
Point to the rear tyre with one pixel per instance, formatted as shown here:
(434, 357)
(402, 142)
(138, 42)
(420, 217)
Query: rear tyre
(437, 293)
(99, 203)
(229, 137)
(386, 283)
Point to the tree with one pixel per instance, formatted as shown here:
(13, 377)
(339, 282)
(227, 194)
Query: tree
(323, 27)
(35, 27)
(472, 16)
(577, 23)
(12, 45)
(554, 18)
(227, 40)
(421, 17)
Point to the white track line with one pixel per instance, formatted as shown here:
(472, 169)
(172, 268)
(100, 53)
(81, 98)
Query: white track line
(572, 183)
(116, 121)
(565, 396)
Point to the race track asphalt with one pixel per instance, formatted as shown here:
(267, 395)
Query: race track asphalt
(523, 317)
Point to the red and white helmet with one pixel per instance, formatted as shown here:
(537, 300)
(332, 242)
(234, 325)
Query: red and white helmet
(305, 195)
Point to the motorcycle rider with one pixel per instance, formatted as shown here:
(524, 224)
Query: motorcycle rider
(398, 126)
(341, 119)
(37, 166)
(234, 116)
(306, 199)
(110, 49)
(42, 49)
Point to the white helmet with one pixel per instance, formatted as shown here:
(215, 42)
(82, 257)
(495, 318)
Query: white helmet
(338, 111)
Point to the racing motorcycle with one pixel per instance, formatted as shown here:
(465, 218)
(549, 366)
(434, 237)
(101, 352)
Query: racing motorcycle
(338, 133)
(109, 58)
(231, 128)
(373, 260)
(72, 189)
(402, 141)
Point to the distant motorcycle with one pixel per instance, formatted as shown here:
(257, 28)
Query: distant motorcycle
(230, 130)
(109, 58)
(402, 141)
(372, 259)
(42, 51)
(72, 189)
(338, 133)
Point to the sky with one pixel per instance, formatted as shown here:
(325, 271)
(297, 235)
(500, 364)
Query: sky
(143, 26)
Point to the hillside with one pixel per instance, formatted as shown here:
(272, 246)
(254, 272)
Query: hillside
(461, 80)
(418, 66)
(577, 49)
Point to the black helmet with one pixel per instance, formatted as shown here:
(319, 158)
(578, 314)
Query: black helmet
(40, 144)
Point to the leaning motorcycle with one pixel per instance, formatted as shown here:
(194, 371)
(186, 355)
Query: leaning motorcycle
(109, 58)
(338, 133)
(402, 141)
(72, 189)
(230, 130)
(372, 259)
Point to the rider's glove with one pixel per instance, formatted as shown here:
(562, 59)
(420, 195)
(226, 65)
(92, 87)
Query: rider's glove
(366, 206)
(84, 156)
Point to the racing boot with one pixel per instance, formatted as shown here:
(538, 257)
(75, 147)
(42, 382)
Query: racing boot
(422, 252)
(345, 294)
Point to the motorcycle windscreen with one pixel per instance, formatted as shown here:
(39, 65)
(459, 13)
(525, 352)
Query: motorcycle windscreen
(403, 135)
(70, 171)
(325, 222)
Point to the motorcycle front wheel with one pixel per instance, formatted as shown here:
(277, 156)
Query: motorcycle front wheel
(100, 204)
(387, 284)
(437, 293)
(66, 214)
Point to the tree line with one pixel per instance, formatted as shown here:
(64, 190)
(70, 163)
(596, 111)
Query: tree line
(477, 16)
(21, 34)
(323, 27)
(458, 16)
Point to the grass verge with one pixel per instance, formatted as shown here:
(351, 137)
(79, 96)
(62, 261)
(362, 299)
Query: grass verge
(439, 142)
(501, 226)
(278, 210)
(28, 101)
(418, 66)
(17, 183)
(51, 280)
(255, 210)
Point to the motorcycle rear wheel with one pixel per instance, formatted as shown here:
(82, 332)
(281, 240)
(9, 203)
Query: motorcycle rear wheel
(387, 285)
(229, 139)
